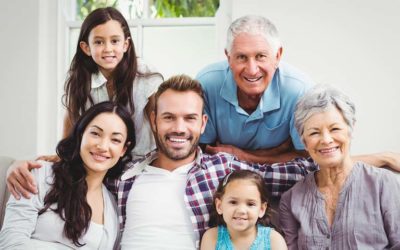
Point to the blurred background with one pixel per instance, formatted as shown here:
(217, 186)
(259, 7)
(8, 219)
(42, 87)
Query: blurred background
(351, 44)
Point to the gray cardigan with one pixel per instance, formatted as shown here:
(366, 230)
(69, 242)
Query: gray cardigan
(24, 229)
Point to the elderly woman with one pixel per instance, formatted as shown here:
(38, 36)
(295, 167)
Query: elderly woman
(346, 204)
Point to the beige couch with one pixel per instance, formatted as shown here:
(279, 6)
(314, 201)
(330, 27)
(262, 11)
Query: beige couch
(5, 162)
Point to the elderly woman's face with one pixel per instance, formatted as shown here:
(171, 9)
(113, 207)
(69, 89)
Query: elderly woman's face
(326, 137)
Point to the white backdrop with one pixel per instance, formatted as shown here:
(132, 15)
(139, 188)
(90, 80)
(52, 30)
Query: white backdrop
(352, 44)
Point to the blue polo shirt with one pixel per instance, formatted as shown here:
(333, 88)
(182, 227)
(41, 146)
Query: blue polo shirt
(268, 126)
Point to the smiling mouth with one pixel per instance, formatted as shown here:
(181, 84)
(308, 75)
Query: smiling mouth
(252, 79)
(328, 150)
(239, 218)
(108, 58)
(99, 157)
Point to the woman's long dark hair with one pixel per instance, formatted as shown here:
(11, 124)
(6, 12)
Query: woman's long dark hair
(217, 219)
(69, 189)
(78, 83)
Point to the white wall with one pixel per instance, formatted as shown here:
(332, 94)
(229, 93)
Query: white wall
(27, 77)
(353, 45)
(18, 77)
(350, 44)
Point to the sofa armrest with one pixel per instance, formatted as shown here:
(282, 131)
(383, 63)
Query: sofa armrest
(5, 162)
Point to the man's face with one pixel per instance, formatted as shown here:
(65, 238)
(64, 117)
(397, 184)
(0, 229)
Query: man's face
(253, 63)
(178, 124)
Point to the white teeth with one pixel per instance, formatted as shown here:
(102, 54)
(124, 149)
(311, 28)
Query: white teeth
(177, 140)
(253, 79)
(99, 157)
(328, 150)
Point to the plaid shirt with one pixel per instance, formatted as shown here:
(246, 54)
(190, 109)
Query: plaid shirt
(203, 179)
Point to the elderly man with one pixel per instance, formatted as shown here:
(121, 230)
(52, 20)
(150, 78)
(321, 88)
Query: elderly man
(250, 98)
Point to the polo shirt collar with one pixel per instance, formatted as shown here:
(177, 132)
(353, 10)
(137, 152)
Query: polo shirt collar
(269, 101)
(98, 80)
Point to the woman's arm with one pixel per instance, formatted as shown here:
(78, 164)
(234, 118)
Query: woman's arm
(20, 220)
(288, 223)
(390, 204)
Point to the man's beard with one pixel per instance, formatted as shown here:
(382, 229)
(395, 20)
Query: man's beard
(175, 154)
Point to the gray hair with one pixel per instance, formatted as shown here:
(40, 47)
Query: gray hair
(320, 98)
(255, 25)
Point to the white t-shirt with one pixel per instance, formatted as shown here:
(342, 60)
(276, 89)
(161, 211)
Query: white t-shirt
(143, 87)
(156, 215)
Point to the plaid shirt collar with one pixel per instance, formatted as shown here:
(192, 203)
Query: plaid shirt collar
(137, 167)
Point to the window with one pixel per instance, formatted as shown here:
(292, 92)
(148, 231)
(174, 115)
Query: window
(145, 9)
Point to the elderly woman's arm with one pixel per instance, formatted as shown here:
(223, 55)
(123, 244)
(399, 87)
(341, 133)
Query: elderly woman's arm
(390, 204)
(289, 225)
(384, 159)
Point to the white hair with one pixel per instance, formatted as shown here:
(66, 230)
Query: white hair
(255, 25)
(320, 98)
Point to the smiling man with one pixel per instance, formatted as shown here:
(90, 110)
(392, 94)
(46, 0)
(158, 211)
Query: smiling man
(164, 201)
(250, 97)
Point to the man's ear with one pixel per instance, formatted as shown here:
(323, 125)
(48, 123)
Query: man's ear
(153, 121)
(278, 56)
(204, 119)
(85, 48)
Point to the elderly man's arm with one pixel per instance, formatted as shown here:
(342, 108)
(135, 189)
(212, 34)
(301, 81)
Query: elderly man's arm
(282, 153)
(383, 159)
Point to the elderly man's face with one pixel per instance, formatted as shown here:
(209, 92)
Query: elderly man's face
(327, 138)
(253, 63)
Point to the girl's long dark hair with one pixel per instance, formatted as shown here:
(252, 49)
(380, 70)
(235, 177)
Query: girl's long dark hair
(78, 83)
(217, 219)
(69, 189)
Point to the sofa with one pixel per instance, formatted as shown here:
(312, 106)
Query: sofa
(5, 162)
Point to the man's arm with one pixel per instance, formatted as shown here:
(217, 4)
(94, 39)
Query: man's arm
(384, 159)
(20, 180)
(278, 177)
(282, 153)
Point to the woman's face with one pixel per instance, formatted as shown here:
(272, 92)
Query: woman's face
(327, 138)
(103, 143)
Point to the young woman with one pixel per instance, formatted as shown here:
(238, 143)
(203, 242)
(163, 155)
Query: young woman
(72, 207)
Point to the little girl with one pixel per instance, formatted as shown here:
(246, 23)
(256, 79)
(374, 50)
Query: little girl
(105, 67)
(240, 211)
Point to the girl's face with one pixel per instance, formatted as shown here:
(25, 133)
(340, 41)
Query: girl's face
(241, 205)
(103, 143)
(106, 45)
